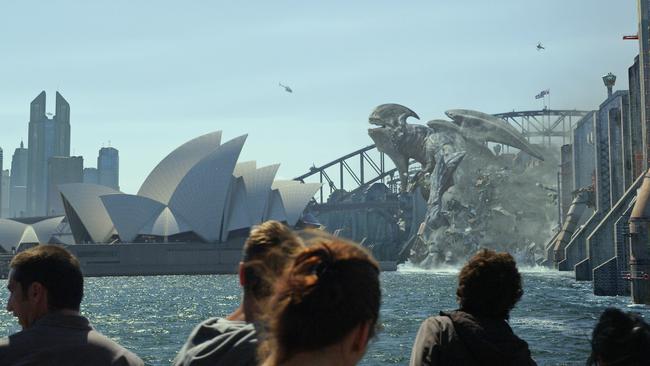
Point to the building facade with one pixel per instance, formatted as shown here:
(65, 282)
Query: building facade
(18, 187)
(91, 176)
(644, 74)
(108, 168)
(4, 193)
(61, 170)
(1, 181)
(48, 137)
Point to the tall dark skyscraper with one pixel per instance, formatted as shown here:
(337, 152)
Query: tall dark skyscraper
(108, 167)
(47, 138)
(4, 193)
(1, 197)
(18, 188)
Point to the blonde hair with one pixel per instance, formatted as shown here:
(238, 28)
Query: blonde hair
(269, 249)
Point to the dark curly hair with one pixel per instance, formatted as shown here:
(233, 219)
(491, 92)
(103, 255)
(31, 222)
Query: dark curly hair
(489, 285)
(620, 339)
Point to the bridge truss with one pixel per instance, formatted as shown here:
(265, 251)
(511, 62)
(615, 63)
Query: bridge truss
(546, 126)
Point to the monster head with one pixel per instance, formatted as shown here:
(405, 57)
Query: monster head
(391, 118)
(391, 115)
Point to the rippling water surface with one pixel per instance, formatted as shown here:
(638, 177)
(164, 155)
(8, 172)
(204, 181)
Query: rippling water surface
(153, 315)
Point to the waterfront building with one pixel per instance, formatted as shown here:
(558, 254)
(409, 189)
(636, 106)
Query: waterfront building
(636, 130)
(191, 215)
(28, 231)
(108, 168)
(644, 75)
(91, 176)
(48, 137)
(4, 193)
(18, 187)
(61, 170)
(607, 162)
(197, 193)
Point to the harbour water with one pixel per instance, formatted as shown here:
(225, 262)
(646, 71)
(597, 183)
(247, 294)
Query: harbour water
(153, 315)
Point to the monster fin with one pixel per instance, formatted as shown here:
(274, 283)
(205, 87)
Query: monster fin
(484, 127)
(442, 125)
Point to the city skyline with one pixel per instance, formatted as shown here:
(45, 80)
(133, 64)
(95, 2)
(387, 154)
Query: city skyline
(30, 187)
(217, 67)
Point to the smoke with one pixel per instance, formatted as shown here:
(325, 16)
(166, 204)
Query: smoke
(506, 203)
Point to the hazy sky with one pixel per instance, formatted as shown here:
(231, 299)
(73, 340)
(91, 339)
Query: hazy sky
(150, 75)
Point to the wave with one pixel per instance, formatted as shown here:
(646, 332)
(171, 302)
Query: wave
(409, 267)
(537, 269)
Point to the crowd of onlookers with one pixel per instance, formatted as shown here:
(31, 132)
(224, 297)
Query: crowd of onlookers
(311, 300)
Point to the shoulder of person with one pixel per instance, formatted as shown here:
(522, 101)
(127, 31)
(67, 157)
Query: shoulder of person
(4, 345)
(218, 339)
(435, 334)
(213, 327)
(120, 355)
(439, 323)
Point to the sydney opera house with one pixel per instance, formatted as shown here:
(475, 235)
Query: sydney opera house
(190, 216)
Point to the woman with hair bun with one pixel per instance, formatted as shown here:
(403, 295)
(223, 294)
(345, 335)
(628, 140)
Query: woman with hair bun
(325, 308)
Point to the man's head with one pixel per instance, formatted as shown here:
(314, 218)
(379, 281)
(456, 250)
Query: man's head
(489, 285)
(43, 279)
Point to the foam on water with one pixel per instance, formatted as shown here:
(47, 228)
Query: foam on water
(409, 267)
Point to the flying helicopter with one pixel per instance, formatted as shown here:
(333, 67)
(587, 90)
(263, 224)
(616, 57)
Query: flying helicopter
(540, 47)
(286, 88)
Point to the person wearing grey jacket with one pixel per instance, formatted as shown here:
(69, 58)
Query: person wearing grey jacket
(233, 340)
(45, 291)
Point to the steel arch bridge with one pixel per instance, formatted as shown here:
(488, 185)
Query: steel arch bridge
(361, 168)
(546, 126)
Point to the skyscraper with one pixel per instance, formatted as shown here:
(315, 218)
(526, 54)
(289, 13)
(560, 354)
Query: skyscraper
(108, 167)
(18, 187)
(91, 176)
(644, 75)
(4, 194)
(61, 170)
(1, 196)
(47, 138)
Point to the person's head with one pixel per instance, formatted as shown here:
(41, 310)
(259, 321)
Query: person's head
(329, 298)
(489, 285)
(270, 247)
(620, 339)
(43, 279)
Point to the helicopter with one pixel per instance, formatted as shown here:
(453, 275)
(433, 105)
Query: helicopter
(286, 88)
(540, 47)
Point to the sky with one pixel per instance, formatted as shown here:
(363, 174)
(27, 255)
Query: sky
(147, 76)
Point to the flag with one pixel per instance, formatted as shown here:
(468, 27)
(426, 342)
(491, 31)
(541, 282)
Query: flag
(542, 94)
